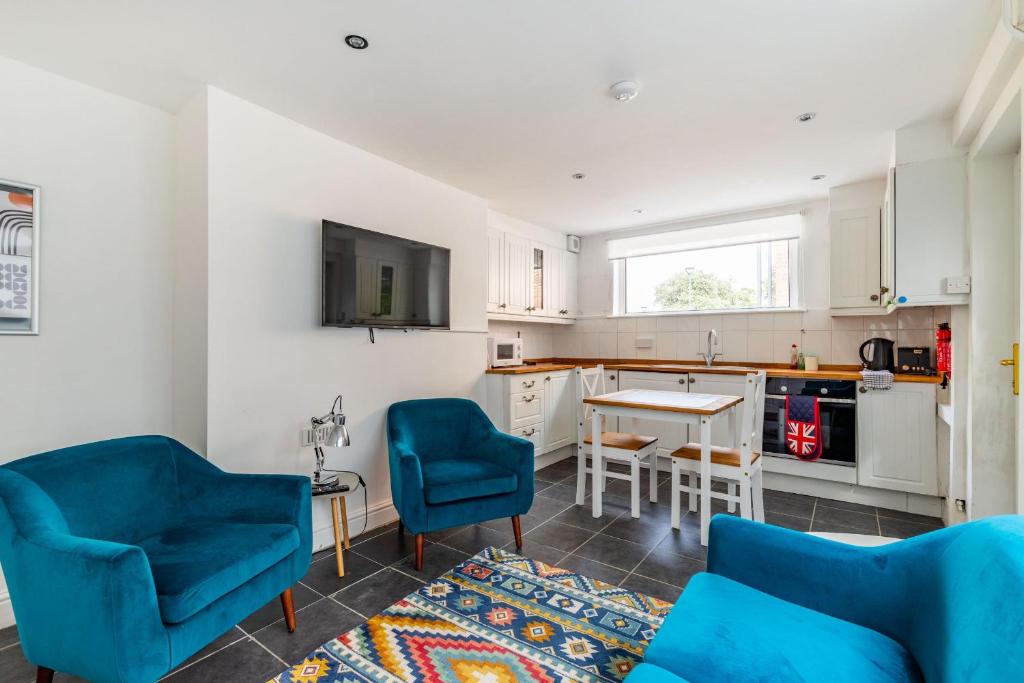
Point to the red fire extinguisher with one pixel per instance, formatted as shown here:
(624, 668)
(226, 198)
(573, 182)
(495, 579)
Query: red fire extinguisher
(943, 355)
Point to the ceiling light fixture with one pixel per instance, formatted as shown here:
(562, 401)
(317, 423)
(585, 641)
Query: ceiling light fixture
(578, 176)
(356, 42)
(806, 116)
(819, 176)
(624, 91)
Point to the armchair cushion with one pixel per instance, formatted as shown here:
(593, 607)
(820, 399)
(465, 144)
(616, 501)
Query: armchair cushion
(721, 630)
(195, 564)
(448, 480)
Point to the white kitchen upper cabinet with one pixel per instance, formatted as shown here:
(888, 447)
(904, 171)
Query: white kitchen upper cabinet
(559, 409)
(723, 385)
(855, 261)
(570, 276)
(671, 435)
(896, 439)
(518, 271)
(495, 271)
(552, 281)
(929, 217)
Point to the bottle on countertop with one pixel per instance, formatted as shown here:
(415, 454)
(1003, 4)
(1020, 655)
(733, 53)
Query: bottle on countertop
(800, 362)
(793, 357)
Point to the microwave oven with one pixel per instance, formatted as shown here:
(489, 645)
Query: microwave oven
(504, 351)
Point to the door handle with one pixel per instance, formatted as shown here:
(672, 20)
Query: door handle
(1015, 363)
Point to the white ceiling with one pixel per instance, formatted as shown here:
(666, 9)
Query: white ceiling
(507, 99)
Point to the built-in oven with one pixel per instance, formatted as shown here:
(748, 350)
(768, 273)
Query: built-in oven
(837, 403)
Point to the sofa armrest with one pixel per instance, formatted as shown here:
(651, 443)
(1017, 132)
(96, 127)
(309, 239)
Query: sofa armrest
(87, 606)
(864, 585)
(508, 451)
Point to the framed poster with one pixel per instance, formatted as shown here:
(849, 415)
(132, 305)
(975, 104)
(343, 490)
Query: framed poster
(19, 258)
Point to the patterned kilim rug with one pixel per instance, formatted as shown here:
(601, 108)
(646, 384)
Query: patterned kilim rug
(495, 618)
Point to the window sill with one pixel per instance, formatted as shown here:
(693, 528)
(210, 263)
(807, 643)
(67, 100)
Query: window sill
(666, 314)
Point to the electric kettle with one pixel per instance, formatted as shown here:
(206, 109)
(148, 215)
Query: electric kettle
(879, 356)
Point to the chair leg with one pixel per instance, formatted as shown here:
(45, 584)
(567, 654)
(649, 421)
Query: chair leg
(652, 463)
(634, 486)
(692, 478)
(745, 498)
(581, 475)
(732, 492)
(419, 552)
(517, 530)
(757, 493)
(289, 610)
(44, 675)
(673, 487)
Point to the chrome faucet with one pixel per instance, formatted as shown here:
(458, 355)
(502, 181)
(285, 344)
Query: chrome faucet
(709, 357)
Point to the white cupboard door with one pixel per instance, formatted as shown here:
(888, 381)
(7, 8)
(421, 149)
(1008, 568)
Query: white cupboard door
(495, 271)
(553, 285)
(570, 288)
(854, 266)
(670, 434)
(518, 270)
(722, 385)
(896, 439)
(526, 409)
(366, 288)
(559, 410)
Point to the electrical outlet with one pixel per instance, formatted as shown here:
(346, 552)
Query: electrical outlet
(958, 285)
(644, 342)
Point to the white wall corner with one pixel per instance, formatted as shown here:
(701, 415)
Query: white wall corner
(998, 62)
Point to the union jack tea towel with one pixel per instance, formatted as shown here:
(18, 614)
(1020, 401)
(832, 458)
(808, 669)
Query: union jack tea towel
(803, 427)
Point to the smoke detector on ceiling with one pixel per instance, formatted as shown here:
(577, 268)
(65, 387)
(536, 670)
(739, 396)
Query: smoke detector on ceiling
(624, 91)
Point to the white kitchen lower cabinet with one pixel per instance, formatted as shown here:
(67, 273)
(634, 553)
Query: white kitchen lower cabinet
(671, 435)
(536, 406)
(896, 439)
(723, 385)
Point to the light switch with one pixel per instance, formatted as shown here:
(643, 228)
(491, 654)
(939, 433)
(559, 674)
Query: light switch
(644, 342)
(960, 284)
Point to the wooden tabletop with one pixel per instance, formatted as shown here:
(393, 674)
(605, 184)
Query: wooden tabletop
(666, 401)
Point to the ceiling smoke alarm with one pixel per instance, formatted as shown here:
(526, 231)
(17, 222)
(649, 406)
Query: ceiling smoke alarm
(624, 91)
(806, 116)
(356, 42)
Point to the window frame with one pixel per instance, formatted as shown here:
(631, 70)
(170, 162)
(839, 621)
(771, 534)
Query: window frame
(620, 284)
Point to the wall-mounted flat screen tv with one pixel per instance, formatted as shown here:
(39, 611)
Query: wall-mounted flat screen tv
(375, 280)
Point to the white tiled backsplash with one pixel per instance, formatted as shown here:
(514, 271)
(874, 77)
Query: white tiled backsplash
(756, 337)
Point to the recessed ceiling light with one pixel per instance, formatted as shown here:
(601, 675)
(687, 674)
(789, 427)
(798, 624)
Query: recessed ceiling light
(806, 116)
(578, 176)
(357, 42)
(638, 210)
(818, 176)
(624, 91)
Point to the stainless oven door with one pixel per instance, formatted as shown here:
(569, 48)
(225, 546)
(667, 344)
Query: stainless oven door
(838, 429)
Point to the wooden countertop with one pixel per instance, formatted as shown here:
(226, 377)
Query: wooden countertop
(840, 372)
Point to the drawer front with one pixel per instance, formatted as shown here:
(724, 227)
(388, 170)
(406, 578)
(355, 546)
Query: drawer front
(533, 433)
(526, 408)
(525, 383)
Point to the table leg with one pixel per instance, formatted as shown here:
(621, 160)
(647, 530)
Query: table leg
(337, 537)
(735, 431)
(344, 522)
(596, 466)
(705, 478)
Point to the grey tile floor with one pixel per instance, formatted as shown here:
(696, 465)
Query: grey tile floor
(643, 554)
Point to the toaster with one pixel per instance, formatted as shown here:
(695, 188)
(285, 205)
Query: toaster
(914, 360)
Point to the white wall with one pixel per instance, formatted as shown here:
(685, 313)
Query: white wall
(271, 365)
(101, 365)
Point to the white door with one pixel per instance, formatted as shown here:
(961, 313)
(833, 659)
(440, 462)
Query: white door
(896, 439)
(495, 271)
(559, 410)
(518, 268)
(670, 434)
(366, 288)
(570, 289)
(854, 266)
(731, 385)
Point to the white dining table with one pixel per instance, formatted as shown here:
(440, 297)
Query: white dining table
(668, 406)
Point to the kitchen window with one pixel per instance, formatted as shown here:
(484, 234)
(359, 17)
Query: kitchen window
(752, 265)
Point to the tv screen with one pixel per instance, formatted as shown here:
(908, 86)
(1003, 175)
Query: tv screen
(375, 280)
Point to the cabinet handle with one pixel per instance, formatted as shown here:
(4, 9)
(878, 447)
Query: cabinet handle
(682, 381)
(883, 289)
(529, 433)
(874, 297)
(529, 385)
(863, 390)
(547, 379)
(501, 305)
(532, 398)
(692, 380)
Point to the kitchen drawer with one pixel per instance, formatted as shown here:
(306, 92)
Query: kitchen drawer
(533, 433)
(520, 383)
(526, 408)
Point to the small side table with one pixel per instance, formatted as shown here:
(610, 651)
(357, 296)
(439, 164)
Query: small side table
(339, 510)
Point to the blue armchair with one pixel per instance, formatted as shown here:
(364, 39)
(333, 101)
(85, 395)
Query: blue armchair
(450, 466)
(779, 605)
(125, 557)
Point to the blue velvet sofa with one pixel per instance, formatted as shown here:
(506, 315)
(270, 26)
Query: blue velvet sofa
(779, 605)
(125, 557)
(450, 466)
